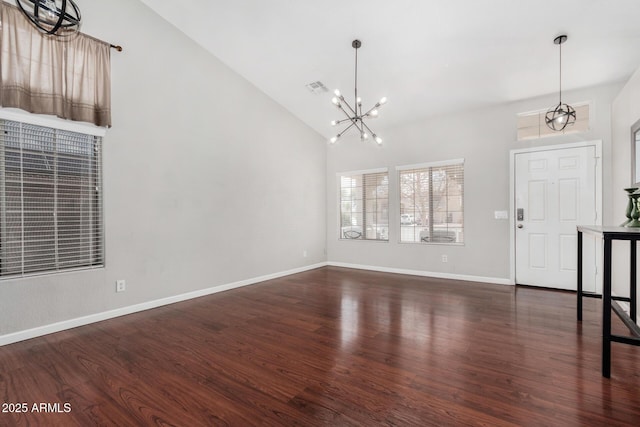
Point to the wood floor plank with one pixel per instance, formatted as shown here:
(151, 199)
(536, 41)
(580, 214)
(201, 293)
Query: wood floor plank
(334, 346)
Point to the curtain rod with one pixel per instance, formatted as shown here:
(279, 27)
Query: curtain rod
(116, 47)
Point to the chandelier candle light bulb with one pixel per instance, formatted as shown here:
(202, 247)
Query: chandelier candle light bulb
(355, 116)
(50, 7)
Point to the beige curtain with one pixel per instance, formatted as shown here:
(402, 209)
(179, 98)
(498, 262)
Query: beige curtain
(68, 78)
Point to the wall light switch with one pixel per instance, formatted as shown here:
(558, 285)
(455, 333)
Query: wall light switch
(501, 214)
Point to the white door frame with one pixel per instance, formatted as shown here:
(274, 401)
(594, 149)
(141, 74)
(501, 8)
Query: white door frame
(512, 184)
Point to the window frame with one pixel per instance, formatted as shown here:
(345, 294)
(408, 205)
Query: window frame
(635, 153)
(88, 130)
(544, 132)
(362, 173)
(428, 165)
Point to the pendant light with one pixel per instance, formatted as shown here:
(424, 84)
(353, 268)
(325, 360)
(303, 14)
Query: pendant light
(562, 115)
(52, 17)
(355, 116)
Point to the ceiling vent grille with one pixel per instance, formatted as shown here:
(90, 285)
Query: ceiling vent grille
(317, 87)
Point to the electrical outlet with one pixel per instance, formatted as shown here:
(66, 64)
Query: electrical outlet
(444, 258)
(304, 253)
(121, 285)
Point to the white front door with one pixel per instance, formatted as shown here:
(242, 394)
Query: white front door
(555, 190)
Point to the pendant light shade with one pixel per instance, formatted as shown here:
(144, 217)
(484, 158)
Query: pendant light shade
(562, 115)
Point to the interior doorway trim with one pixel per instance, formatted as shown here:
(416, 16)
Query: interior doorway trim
(597, 144)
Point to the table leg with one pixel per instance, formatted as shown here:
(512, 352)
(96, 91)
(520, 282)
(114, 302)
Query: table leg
(633, 280)
(579, 270)
(606, 310)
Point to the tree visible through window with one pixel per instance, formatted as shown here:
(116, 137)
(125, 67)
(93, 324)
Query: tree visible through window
(50, 199)
(431, 203)
(364, 206)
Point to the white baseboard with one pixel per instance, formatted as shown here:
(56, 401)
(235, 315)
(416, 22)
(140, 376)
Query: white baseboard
(465, 277)
(85, 320)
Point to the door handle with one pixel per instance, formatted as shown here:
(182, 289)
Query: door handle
(520, 226)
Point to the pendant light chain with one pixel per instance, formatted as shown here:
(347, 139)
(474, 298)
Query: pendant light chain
(560, 72)
(356, 82)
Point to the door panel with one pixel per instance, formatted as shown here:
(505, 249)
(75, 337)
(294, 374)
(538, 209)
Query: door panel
(556, 189)
(538, 251)
(568, 199)
(537, 200)
(568, 252)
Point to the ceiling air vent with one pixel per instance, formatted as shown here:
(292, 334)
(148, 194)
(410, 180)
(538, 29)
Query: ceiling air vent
(317, 88)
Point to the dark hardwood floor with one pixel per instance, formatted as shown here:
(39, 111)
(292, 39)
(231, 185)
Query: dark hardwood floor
(333, 347)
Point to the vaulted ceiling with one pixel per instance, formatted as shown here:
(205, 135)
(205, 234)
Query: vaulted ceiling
(428, 57)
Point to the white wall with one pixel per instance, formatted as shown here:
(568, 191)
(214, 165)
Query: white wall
(207, 180)
(483, 138)
(625, 112)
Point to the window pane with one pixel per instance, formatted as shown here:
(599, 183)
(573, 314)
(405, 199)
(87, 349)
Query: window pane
(533, 125)
(431, 204)
(50, 200)
(364, 206)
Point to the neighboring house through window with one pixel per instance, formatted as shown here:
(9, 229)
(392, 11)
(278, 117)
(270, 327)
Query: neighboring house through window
(364, 205)
(432, 202)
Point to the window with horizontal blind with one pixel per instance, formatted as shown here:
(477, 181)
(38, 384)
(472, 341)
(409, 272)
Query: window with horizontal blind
(364, 205)
(432, 202)
(532, 125)
(50, 200)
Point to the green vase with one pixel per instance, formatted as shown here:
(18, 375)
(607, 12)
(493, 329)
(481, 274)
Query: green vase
(635, 212)
(629, 191)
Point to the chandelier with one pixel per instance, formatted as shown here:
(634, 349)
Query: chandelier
(354, 115)
(562, 115)
(52, 17)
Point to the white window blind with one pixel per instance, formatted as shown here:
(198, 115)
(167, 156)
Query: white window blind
(364, 206)
(533, 125)
(432, 203)
(50, 199)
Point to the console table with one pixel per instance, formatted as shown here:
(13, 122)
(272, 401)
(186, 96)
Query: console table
(608, 234)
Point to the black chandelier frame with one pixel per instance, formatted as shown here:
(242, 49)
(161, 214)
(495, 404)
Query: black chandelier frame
(355, 115)
(52, 17)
